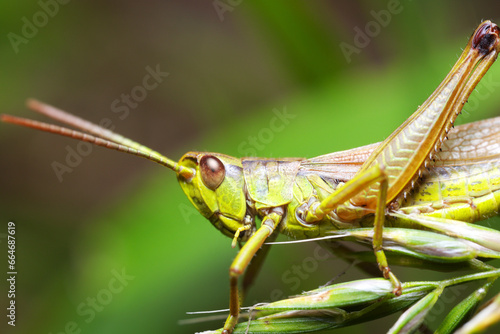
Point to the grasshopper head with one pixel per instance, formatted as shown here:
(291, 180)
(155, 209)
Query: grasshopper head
(216, 189)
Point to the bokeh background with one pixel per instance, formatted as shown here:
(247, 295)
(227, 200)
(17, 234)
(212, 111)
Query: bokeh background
(229, 71)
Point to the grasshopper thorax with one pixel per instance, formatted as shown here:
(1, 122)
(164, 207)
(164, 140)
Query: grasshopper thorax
(217, 190)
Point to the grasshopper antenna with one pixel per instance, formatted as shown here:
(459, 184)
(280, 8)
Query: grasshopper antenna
(328, 237)
(98, 135)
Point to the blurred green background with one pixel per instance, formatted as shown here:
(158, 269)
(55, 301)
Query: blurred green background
(229, 68)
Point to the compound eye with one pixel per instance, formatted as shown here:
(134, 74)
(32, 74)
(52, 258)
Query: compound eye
(212, 171)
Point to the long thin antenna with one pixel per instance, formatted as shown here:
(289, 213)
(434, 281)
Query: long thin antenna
(99, 135)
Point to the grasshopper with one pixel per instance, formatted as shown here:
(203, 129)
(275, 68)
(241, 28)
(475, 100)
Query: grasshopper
(309, 198)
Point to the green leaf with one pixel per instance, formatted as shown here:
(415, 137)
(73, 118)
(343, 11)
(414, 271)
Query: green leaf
(338, 295)
(459, 312)
(415, 315)
(487, 317)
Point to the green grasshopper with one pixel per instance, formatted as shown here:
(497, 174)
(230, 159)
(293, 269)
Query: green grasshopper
(310, 198)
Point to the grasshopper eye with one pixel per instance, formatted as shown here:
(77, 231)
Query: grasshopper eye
(212, 171)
